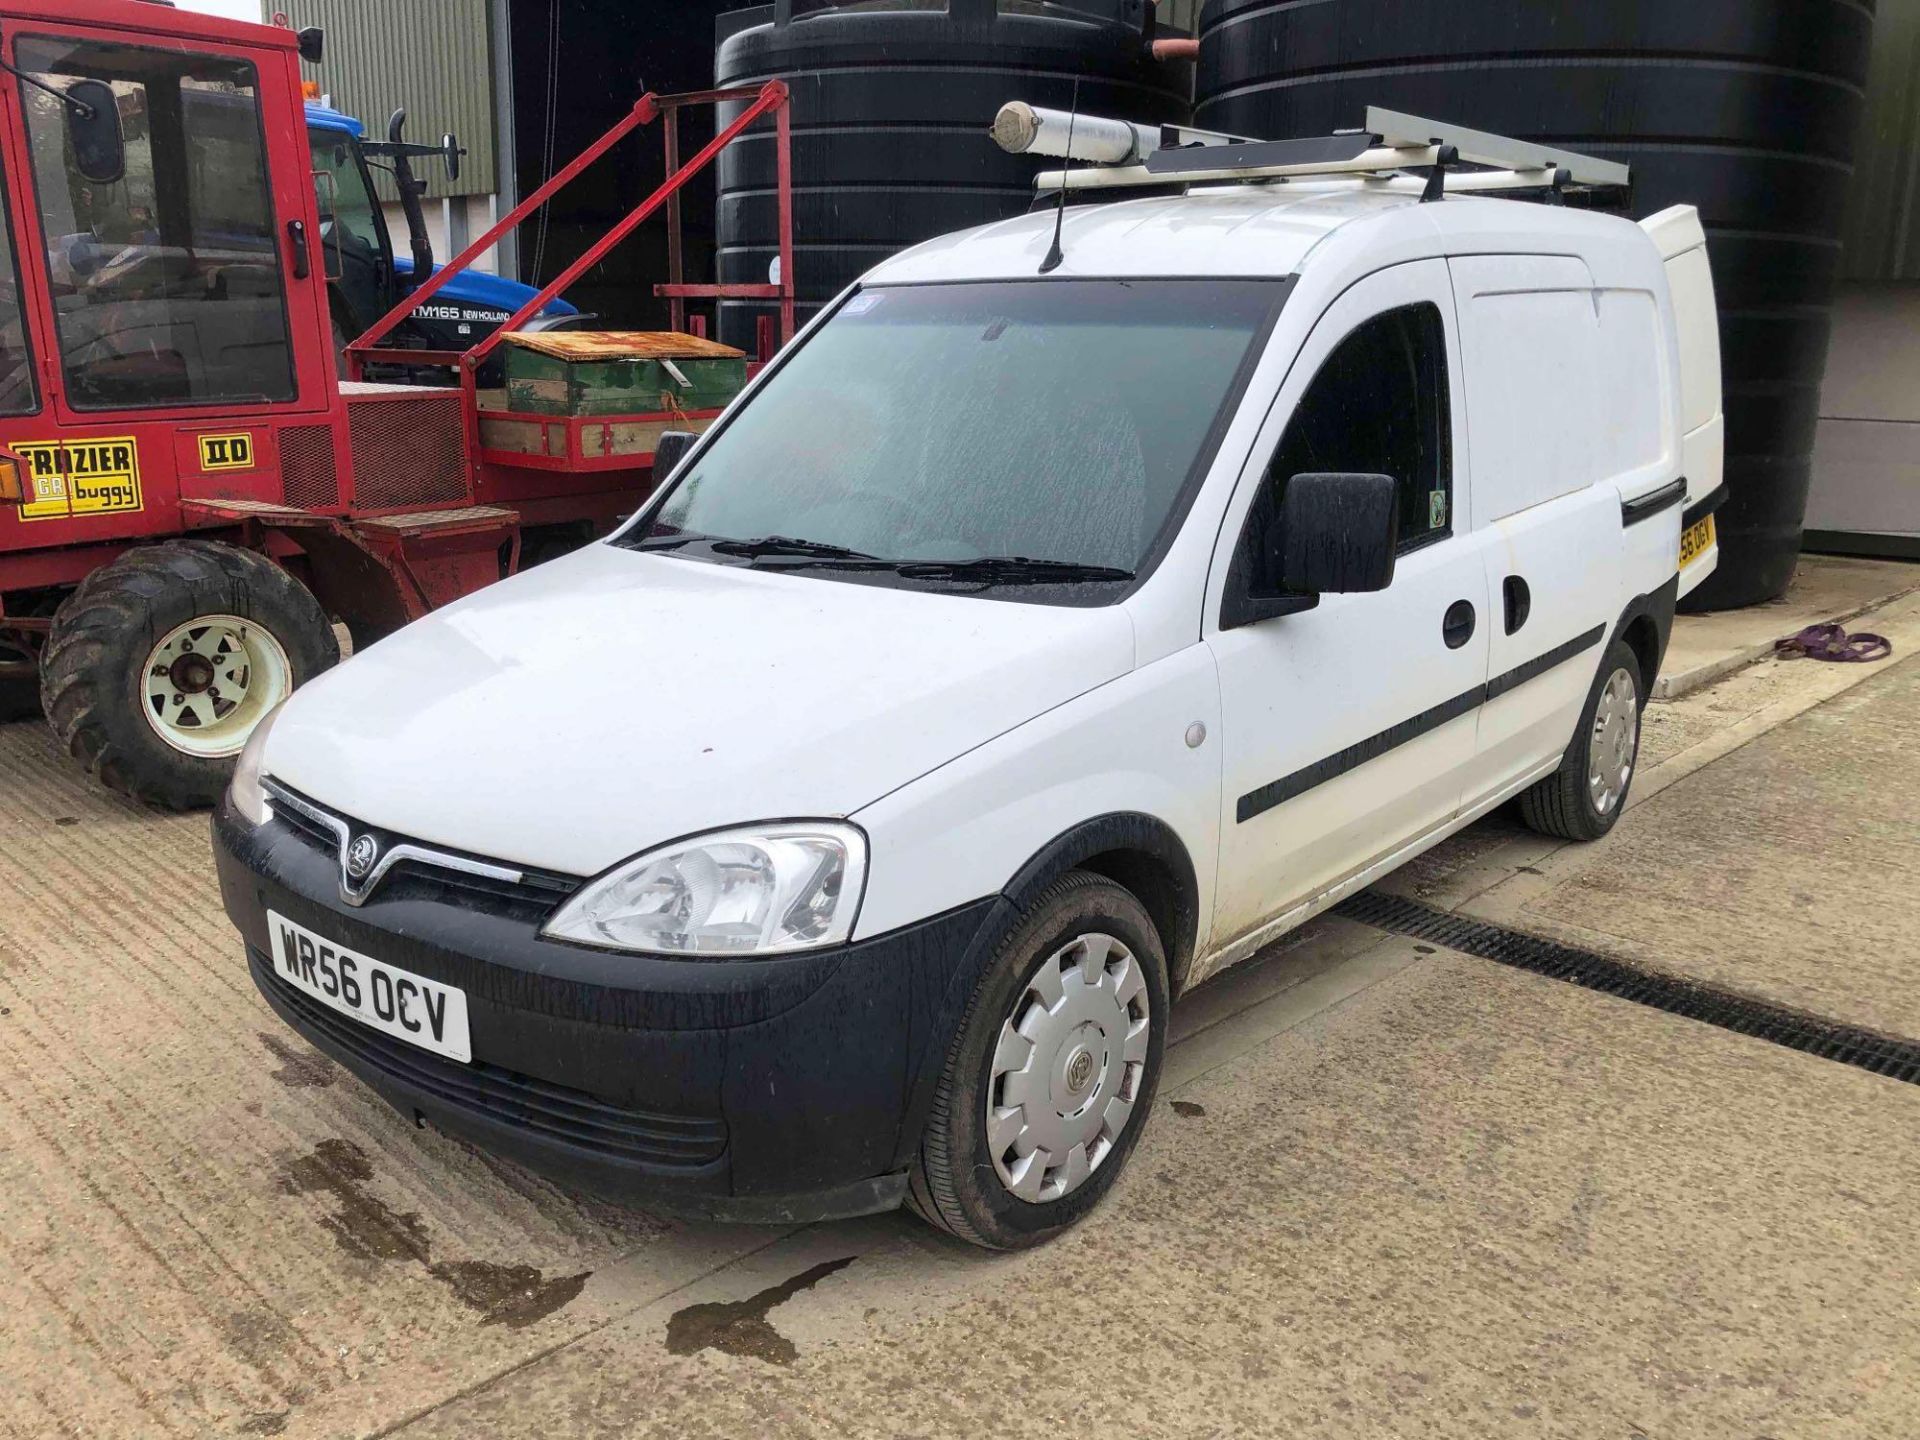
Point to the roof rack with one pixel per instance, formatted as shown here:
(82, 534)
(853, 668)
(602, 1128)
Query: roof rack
(1118, 154)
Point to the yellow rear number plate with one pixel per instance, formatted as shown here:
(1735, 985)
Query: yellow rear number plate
(1694, 541)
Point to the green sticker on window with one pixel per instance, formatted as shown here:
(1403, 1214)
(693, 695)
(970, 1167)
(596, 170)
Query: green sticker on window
(1436, 509)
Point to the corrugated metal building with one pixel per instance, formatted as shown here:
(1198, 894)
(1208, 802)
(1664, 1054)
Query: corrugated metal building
(437, 61)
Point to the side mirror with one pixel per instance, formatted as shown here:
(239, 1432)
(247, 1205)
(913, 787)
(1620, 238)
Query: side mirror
(1332, 534)
(669, 450)
(1338, 533)
(93, 128)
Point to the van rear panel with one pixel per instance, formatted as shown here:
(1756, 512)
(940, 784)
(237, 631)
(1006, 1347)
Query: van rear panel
(1682, 243)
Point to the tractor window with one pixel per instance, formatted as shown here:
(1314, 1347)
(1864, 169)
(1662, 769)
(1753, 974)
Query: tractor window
(346, 198)
(166, 281)
(16, 358)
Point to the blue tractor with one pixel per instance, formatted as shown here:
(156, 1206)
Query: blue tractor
(366, 278)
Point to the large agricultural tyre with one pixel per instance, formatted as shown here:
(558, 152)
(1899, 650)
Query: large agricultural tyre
(161, 663)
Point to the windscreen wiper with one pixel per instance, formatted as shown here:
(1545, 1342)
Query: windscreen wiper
(786, 545)
(663, 542)
(1011, 570)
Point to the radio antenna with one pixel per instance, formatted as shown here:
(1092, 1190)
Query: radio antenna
(1054, 253)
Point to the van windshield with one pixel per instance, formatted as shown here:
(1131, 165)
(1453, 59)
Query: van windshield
(1045, 435)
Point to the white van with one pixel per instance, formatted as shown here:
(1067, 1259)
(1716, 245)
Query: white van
(1024, 647)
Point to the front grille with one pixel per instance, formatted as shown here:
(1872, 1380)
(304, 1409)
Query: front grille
(533, 897)
(538, 1107)
(408, 452)
(306, 467)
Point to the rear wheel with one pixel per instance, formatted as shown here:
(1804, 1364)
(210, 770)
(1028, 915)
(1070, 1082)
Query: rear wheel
(1049, 1079)
(1583, 798)
(161, 663)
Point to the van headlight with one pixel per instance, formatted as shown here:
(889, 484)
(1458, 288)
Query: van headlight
(757, 890)
(244, 791)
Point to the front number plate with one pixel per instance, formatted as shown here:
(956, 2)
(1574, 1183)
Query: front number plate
(1694, 541)
(396, 1002)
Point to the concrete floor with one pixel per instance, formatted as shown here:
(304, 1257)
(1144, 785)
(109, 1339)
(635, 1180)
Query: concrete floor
(1389, 1190)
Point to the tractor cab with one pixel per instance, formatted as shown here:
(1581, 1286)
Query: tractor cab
(366, 276)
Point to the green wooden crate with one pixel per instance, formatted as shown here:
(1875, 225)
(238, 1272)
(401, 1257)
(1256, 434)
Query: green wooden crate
(591, 377)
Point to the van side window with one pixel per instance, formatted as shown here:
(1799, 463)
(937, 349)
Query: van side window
(1377, 405)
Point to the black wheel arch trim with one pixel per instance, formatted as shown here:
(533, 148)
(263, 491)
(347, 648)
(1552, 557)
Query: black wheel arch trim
(1124, 831)
(1656, 606)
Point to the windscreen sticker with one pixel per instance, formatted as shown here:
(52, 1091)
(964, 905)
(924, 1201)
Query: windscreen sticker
(71, 478)
(861, 303)
(227, 452)
(1436, 509)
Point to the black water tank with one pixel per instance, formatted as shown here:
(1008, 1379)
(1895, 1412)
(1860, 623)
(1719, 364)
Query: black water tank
(891, 104)
(1744, 108)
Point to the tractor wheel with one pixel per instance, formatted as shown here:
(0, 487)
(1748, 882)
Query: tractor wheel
(161, 663)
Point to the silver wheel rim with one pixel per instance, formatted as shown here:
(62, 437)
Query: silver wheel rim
(207, 683)
(1614, 743)
(1067, 1068)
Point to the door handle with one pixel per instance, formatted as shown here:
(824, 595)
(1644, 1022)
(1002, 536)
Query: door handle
(1519, 601)
(1457, 628)
(297, 236)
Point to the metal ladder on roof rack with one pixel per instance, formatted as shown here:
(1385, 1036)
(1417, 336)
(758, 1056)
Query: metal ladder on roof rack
(1119, 155)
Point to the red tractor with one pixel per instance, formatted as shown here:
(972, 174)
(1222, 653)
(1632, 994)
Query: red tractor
(190, 496)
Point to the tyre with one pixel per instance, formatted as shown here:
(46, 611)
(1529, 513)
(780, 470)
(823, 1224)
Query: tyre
(161, 663)
(1584, 797)
(1051, 1074)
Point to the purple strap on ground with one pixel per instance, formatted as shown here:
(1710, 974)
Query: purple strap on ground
(1831, 642)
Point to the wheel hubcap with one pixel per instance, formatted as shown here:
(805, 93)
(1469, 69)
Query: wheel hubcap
(208, 682)
(1067, 1068)
(1615, 741)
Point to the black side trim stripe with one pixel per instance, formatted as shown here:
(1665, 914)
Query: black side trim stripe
(1278, 792)
(1540, 664)
(1645, 507)
(1703, 507)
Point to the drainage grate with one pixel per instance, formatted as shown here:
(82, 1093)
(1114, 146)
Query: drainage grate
(1849, 1045)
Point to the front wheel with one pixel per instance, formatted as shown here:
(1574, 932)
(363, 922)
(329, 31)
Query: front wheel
(162, 662)
(1049, 1079)
(1583, 798)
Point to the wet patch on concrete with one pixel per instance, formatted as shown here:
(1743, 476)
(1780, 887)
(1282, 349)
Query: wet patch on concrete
(298, 1068)
(367, 1228)
(741, 1327)
(259, 1334)
(364, 1226)
(1189, 1109)
(511, 1295)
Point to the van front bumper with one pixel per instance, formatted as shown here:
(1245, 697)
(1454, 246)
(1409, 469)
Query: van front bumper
(764, 1091)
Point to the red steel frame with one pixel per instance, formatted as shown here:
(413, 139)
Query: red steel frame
(577, 454)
